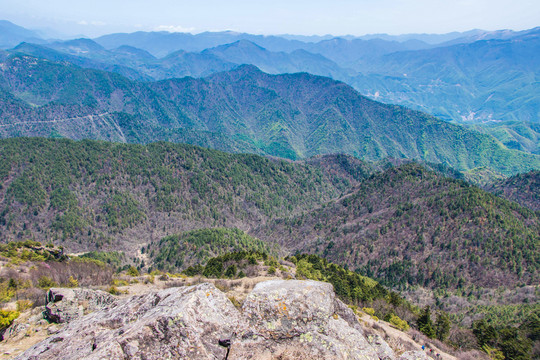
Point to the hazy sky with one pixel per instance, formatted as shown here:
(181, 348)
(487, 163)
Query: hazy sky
(304, 17)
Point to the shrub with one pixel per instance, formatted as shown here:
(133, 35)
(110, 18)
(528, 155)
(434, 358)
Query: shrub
(118, 282)
(24, 305)
(398, 323)
(113, 290)
(231, 271)
(369, 311)
(72, 282)
(425, 324)
(132, 271)
(7, 317)
(235, 302)
(46, 282)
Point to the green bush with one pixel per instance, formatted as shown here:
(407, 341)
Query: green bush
(46, 282)
(7, 317)
(132, 271)
(231, 271)
(398, 323)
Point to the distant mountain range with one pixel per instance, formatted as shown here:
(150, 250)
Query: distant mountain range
(470, 83)
(482, 81)
(11, 35)
(477, 77)
(242, 110)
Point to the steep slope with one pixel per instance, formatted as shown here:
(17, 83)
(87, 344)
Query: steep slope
(105, 62)
(519, 135)
(11, 35)
(182, 63)
(307, 115)
(291, 116)
(521, 188)
(88, 195)
(408, 226)
(246, 52)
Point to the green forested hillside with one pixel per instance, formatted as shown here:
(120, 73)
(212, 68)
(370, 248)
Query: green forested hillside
(87, 195)
(474, 83)
(178, 252)
(521, 188)
(244, 110)
(176, 207)
(408, 226)
(404, 225)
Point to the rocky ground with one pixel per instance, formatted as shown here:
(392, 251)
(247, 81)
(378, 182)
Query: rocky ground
(185, 318)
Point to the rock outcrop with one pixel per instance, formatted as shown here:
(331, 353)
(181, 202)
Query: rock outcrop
(64, 305)
(279, 320)
(384, 351)
(298, 320)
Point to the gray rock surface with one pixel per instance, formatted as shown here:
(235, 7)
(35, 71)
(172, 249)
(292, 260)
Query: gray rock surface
(279, 320)
(291, 319)
(64, 305)
(176, 323)
(413, 355)
(384, 351)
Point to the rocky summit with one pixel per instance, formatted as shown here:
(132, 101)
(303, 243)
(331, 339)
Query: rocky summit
(280, 319)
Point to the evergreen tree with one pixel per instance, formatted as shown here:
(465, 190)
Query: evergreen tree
(442, 326)
(485, 334)
(425, 324)
(513, 345)
(231, 271)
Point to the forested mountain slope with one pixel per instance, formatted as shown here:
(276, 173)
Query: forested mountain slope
(243, 110)
(404, 225)
(521, 188)
(409, 226)
(96, 195)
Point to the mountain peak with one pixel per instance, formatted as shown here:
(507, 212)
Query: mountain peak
(240, 44)
(246, 69)
(131, 50)
(81, 44)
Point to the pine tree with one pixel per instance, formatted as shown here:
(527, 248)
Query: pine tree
(425, 324)
(442, 326)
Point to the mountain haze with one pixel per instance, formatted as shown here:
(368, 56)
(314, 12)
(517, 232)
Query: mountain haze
(11, 35)
(476, 82)
(290, 115)
(467, 79)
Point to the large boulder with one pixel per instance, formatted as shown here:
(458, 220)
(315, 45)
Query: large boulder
(64, 305)
(176, 323)
(291, 319)
(279, 320)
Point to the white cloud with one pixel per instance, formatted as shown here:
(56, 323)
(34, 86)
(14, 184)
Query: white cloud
(173, 28)
(93, 23)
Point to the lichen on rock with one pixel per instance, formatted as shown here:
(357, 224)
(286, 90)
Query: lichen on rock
(279, 319)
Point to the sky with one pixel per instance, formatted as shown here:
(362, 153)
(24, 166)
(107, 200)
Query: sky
(93, 18)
